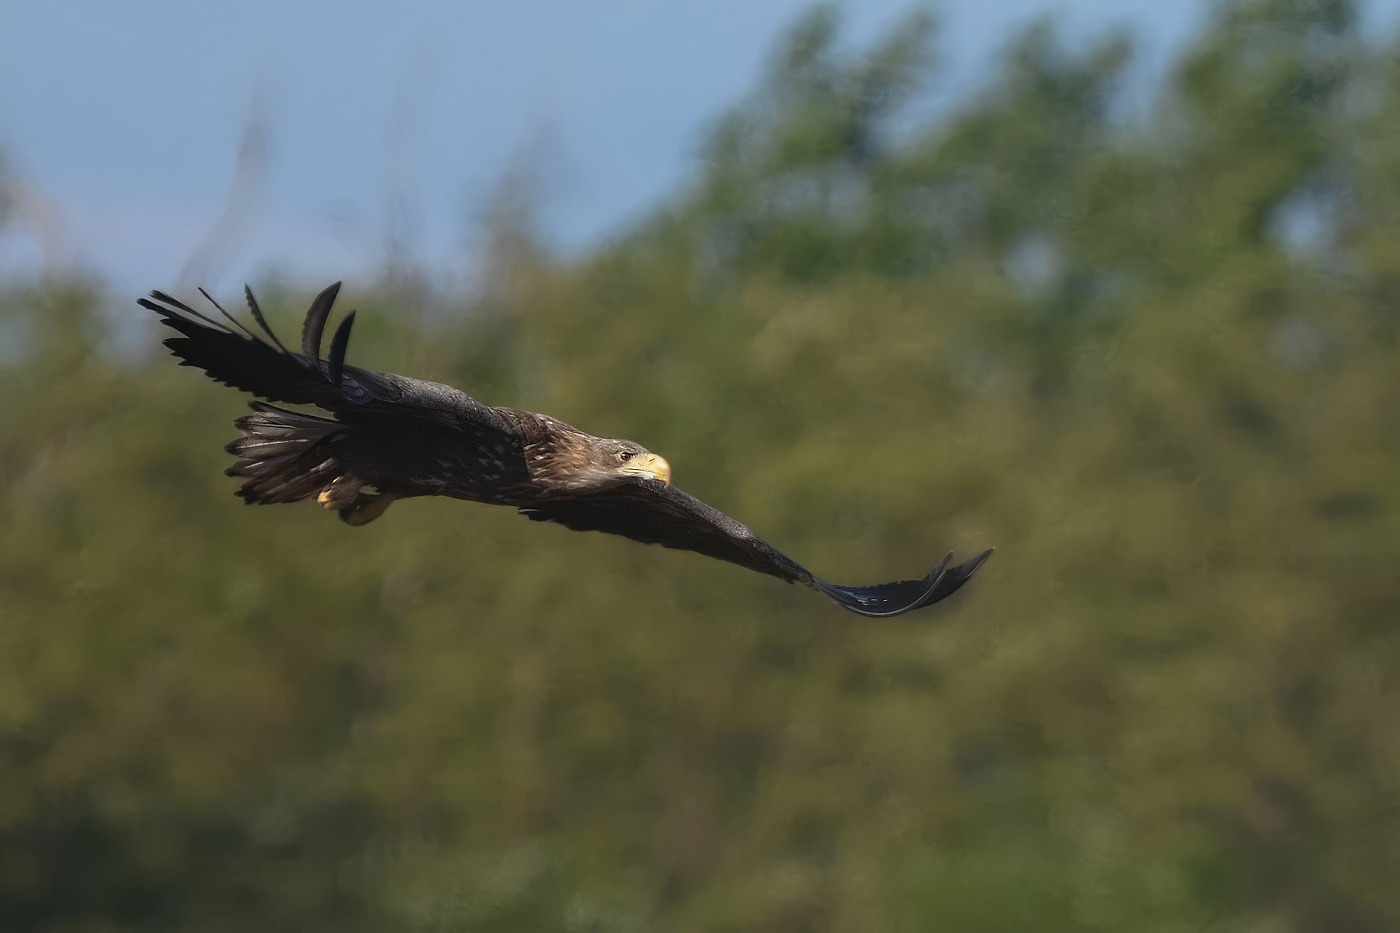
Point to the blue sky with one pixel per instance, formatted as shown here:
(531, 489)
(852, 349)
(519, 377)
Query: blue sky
(123, 119)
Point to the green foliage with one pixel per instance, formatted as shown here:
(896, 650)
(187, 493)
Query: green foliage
(1102, 345)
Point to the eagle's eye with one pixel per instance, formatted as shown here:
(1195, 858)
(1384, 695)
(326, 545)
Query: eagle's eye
(625, 455)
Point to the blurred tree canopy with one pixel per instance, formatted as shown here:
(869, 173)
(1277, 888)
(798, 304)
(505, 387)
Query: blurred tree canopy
(1151, 355)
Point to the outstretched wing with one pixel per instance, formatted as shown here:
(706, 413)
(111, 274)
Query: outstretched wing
(654, 513)
(241, 359)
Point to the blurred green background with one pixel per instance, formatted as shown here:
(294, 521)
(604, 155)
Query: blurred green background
(1149, 353)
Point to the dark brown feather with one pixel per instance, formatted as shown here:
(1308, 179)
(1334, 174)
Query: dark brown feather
(315, 324)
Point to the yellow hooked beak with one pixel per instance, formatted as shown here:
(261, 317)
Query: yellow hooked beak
(651, 465)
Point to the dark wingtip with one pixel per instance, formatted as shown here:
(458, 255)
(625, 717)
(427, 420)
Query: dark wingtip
(339, 343)
(892, 599)
(258, 316)
(969, 567)
(235, 321)
(951, 580)
(315, 325)
(173, 305)
(165, 299)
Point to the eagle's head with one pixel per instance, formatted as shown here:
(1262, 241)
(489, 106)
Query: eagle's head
(611, 457)
(573, 461)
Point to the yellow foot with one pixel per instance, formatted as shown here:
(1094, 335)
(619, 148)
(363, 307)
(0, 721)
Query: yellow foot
(340, 493)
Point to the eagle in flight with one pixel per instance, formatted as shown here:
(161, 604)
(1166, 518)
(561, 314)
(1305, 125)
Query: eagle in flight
(392, 437)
